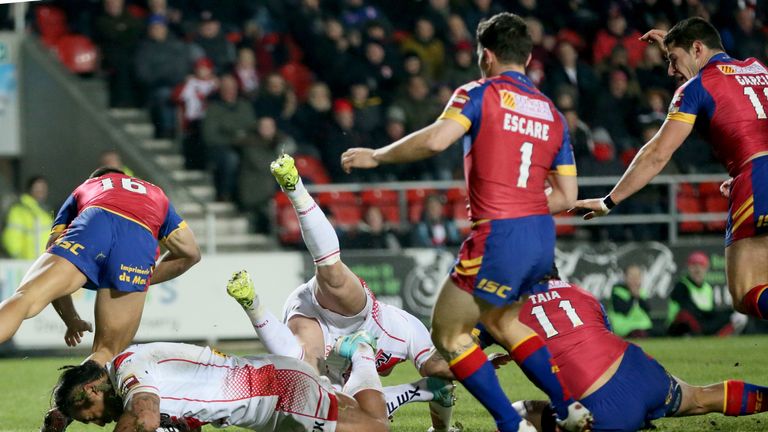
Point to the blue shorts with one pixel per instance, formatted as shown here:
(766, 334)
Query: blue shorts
(111, 251)
(504, 259)
(641, 390)
(748, 202)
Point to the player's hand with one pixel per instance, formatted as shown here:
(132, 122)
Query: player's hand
(655, 36)
(75, 331)
(725, 188)
(593, 207)
(358, 157)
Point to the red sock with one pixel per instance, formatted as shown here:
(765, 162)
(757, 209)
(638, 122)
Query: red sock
(744, 398)
(756, 301)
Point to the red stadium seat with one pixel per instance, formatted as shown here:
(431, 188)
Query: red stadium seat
(312, 169)
(299, 77)
(709, 189)
(288, 228)
(564, 230)
(51, 22)
(385, 199)
(415, 199)
(687, 190)
(77, 53)
(690, 205)
(716, 204)
(344, 206)
(136, 11)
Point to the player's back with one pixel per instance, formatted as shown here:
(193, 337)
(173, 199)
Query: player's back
(514, 135)
(132, 198)
(574, 326)
(735, 101)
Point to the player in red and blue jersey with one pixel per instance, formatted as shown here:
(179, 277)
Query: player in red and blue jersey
(104, 238)
(514, 140)
(727, 100)
(620, 384)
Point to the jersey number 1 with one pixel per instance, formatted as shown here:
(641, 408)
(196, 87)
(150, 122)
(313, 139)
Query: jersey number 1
(759, 109)
(546, 324)
(525, 164)
(127, 184)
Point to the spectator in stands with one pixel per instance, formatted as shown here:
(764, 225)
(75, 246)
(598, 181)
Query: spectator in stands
(162, 61)
(463, 69)
(343, 135)
(652, 70)
(419, 109)
(373, 233)
(246, 73)
(567, 100)
(434, 229)
(262, 143)
(413, 65)
(745, 38)
(117, 33)
(112, 158)
(616, 109)
(430, 49)
(276, 99)
(28, 222)
(479, 10)
(314, 117)
(692, 302)
(542, 43)
(225, 126)
(214, 43)
(618, 33)
(369, 115)
(382, 74)
(438, 13)
(654, 107)
(356, 13)
(173, 14)
(191, 96)
(629, 311)
(458, 32)
(568, 69)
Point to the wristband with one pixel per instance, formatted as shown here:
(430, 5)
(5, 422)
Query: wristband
(608, 202)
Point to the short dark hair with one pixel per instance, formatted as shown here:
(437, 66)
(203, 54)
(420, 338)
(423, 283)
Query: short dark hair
(554, 274)
(506, 35)
(68, 393)
(100, 171)
(684, 33)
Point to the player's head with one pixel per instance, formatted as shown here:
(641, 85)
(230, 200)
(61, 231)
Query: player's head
(84, 393)
(690, 44)
(100, 171)
(503, 40)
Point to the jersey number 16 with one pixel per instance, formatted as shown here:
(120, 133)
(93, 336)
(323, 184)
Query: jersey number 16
(128, 184)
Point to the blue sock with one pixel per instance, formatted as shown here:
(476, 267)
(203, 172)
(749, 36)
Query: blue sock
(535, 360)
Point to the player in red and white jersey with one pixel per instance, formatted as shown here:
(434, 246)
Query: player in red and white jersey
(727, 100)
(620, 384)
(514, 140)
(183, 387)
(335, 303)
(105, 238)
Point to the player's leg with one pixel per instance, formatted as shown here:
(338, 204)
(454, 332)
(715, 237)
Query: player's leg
(339, 289)
(273, 333)
(49, 278)
(748, 275)
(453, 319)
(117, 315)
(310, 337)
(354, 415)
(731, 397)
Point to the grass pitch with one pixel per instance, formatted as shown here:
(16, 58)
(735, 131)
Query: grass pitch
(25, 386)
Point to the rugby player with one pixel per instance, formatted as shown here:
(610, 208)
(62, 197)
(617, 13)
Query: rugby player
(513, 140)
(182, 387)
(727, 100)
(334, 303)
(104, 238)
(620, 384)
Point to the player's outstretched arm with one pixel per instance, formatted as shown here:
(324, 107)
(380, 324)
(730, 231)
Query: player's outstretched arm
(648, 163)
(143, 415)
(76, 326)
(183, 253)
(565, 191)
(419, 145)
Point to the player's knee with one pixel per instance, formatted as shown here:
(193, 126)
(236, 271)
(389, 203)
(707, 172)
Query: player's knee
(334, 276)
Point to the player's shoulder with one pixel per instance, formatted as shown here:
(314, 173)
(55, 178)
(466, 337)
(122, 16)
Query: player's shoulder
(571, 291)
(472, 88)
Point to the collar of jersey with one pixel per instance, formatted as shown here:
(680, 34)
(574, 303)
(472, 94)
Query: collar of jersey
(518, 76)
(718, 57)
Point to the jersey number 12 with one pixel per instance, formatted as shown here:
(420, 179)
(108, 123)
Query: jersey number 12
(546, 324)
(756, 104)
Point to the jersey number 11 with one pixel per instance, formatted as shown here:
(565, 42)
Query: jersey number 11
(759, 109)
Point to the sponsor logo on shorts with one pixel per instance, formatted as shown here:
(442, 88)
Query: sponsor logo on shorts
(134, 275)
(492, 287)
(73, 247)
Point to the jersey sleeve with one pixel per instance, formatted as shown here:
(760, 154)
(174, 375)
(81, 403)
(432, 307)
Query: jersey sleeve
(134, 374)
(464, 106)
(420, 346)
(66, 214)
(689, 100)
(171, 223)
(565, 163)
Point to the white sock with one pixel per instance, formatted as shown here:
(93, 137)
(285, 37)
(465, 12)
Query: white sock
(274, 334)
(318, 233)
(363, 375)
(441, 416)
(399, 395)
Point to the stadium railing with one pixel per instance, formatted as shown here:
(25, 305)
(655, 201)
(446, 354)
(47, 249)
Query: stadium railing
(670, 184)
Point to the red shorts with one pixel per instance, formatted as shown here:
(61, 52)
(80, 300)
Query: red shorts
(748, 208)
